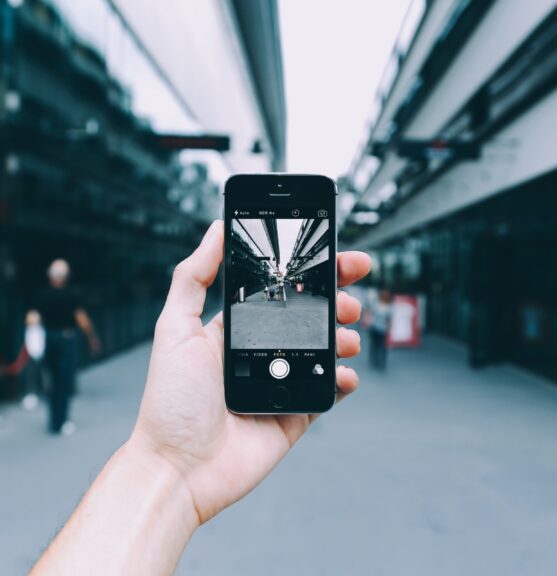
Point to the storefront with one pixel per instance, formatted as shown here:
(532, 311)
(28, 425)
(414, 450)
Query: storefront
(489, 274)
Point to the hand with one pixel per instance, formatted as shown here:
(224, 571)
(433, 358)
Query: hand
(183, 417)
(95, 347)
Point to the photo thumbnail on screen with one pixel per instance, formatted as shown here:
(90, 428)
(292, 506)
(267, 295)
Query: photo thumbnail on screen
(278, 283)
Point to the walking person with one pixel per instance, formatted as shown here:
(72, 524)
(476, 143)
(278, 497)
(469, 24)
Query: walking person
(379, 329)
(35, 343)
(266, 293)
(61, 315)
(282, 290)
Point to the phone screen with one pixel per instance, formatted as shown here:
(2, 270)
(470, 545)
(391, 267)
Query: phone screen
(280, 291)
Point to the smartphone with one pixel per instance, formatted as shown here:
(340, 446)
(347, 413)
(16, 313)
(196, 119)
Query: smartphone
(280, 293)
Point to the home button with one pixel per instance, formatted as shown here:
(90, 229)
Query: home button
(279, 397)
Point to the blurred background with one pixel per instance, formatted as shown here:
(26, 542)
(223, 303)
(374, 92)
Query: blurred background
(120, 120)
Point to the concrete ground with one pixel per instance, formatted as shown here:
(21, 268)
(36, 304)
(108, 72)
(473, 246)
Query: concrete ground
(300, 322)
(430, 469)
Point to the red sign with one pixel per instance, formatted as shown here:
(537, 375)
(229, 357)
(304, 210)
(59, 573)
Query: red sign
(404, 329)
(194, 142)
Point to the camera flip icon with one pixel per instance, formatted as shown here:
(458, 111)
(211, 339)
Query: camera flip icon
(318, 370)
(322, 213)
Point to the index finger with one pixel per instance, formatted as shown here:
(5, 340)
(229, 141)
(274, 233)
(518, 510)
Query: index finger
(352, 266)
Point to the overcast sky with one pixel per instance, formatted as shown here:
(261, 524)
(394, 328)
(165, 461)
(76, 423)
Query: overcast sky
(334, 52)
(288, 230)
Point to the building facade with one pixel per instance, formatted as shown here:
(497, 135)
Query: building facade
(452, 186)
(88, 91)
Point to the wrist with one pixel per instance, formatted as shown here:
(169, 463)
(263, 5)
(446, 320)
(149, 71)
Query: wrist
(167, 478)
(136, 518)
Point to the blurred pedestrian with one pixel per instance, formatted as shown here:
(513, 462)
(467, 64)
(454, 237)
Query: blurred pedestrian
(35, 343)
(282, 290)
(266, 292)
(62, 314)
(380, 322)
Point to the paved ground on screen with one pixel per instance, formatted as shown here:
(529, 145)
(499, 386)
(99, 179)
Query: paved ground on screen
(431, 469)
(301, 321)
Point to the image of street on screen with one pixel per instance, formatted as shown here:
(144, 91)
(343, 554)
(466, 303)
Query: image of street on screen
(278, 283)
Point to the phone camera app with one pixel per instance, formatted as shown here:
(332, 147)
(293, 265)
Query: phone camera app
(279, 299)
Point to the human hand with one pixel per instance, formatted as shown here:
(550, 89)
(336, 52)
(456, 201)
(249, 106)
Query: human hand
(183, 417)
(95, 347)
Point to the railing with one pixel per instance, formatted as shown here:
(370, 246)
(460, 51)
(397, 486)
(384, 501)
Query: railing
(407, 33)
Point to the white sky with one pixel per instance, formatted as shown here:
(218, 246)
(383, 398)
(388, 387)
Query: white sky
(334, 53)
(288, 230)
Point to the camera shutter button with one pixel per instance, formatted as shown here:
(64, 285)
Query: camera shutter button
(279, 368)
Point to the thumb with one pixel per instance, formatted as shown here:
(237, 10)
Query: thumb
(197, 272)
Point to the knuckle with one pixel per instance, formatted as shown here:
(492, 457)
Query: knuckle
(161, 324)
(181, 268)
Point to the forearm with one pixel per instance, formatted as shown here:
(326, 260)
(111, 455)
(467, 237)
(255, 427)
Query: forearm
(85, 325)
(135, 519)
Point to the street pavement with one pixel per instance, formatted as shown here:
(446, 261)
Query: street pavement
(429, 469)
(300, 322)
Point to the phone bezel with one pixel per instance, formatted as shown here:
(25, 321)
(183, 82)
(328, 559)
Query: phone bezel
(251, 395)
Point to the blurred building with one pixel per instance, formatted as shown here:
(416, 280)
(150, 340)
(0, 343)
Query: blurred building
(89, 91)
(308, 264)
(255, 256)
(452, 189)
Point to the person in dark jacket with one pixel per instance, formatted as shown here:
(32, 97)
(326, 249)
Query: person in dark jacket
(62, 314)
